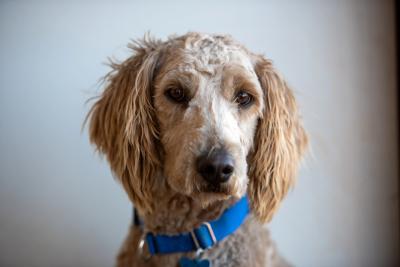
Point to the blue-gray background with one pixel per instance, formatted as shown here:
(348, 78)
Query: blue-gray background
(59, 205)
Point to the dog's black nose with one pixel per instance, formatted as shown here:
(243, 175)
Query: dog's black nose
(216, 167)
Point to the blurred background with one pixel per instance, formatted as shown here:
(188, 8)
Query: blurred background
(60, 206)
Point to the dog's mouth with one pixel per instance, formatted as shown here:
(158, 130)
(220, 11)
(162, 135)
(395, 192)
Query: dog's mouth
(217, 189)
(208, 193)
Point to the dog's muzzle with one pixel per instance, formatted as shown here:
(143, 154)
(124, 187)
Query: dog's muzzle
(216, 167)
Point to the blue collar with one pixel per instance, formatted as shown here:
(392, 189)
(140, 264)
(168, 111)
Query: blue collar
(203, 237)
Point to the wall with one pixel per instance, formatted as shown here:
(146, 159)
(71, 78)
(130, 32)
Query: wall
(59, 205)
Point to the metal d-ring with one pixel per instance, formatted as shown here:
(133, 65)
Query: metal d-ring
(142, 243)
(199, 250)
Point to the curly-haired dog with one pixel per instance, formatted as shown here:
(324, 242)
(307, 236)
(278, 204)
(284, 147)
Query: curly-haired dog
(190, 126)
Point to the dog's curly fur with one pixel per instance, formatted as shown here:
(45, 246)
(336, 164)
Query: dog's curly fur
(152, 143)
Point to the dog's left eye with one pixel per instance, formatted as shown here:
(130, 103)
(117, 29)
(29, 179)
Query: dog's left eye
(176, 94)
(243, 99)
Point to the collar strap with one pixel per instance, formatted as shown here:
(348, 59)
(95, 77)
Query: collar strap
(203, 237)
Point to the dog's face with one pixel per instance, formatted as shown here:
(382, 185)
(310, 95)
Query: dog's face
(208, 100)
(215, 120)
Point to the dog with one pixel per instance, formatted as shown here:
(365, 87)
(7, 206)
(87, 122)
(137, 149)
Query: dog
(190, 126)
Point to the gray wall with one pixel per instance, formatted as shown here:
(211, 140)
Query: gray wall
(59, 205)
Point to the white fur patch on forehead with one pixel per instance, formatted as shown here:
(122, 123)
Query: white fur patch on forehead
(209, 52)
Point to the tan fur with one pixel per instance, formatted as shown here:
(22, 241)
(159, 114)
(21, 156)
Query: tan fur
(152, 144)
(280, 143)
(123, 125)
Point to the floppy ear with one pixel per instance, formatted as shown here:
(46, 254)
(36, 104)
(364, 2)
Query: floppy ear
(122, 123)
(280, 141)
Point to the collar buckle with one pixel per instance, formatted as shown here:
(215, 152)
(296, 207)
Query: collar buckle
(198, 238)
(211, 232)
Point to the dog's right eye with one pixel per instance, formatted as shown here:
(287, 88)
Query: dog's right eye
(176, 94)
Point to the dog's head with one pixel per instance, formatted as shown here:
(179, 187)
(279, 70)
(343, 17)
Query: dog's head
(204, 114)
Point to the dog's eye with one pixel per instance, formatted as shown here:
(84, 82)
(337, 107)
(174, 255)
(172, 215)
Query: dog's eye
(176, 94)
(243, 99)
